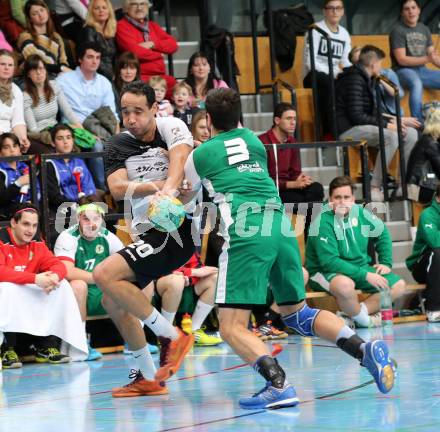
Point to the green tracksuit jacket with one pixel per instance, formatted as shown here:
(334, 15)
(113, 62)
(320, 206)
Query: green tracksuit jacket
(337, 245)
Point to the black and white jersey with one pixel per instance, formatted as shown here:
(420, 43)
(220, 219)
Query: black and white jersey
(145, 161)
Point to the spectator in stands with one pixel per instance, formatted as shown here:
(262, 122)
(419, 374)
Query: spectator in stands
(11, 102)
(357, 115)
(127, 70)
(34, 296)
(61, 182)
(182, 109)
(201, 78)
(8, 24)
(159, 85)
(81, 248)
(340, 45)
(14, 176)
(423, 173)
(387, 102)
(100, 28)
(411, 50)
(337, 255)
(145, 38)
(42, 39)
(424, 261)
(42, 101)
(192, 278)
(71, 15)
(199, 128)
(87, 92)
(4, 44)
(285, 166)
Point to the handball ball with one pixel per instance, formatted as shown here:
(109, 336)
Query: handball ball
(166, 214)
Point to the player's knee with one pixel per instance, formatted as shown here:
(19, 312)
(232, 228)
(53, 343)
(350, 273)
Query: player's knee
(398, 289)
(102, 276)
(302, 321)
(305, 276)
(176, 283)
(342, 286)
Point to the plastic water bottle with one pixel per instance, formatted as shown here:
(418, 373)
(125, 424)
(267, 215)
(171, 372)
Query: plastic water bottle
(186, 323)
(386, 307)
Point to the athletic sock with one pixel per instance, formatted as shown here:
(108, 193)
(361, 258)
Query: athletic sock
(270, 370)
(160, 326)
(144, 362)
(362, 318)
(201, 312)
(169, 316)
(352, 345)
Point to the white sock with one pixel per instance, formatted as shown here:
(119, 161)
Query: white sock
(362, 317)
(169, 316)
(144, 362)
(345, 332)
(160, 326)
(201, 312)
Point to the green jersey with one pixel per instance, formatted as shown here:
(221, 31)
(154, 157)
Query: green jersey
(233, 167)
(86, 254)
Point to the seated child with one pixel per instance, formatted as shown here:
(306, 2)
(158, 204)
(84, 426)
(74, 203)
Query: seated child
(182, 109)
(14, 176)
(159, 85)
(61, 181)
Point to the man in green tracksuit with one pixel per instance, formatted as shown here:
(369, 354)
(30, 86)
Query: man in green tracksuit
(337, 255)
(424, 262)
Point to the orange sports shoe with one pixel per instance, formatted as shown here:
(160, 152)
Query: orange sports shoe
(172, 353)
(140, 387)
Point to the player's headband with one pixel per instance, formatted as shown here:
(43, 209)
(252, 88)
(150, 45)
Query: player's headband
(91, 207)
(29, 209)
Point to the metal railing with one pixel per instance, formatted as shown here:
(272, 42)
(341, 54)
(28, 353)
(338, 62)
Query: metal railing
(362, 145)
(380, 121)
(168, 30)
(45, 208)
(318, 131)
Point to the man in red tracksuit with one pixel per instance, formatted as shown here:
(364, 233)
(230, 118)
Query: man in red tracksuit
(294, 186)
(24, 259)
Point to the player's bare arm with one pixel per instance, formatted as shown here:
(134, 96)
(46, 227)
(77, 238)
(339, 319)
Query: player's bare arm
(178, 156)
(119, 184)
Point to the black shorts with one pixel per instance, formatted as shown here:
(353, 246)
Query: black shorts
(158, 254)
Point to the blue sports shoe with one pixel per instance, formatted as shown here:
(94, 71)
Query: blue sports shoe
(93, 354)
(380, 365)
(271, 398)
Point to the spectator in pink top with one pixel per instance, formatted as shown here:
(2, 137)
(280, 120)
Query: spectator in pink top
(201, 77)
(137, 34)
(4, 43)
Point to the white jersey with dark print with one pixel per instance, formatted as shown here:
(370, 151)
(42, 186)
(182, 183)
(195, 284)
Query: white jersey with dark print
(145, 161)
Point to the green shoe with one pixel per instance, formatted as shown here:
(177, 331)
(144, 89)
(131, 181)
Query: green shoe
(10, 360)
(51, 355)
(203, 339)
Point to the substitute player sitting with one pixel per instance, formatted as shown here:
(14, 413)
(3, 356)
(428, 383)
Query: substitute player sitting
(337, 255)
(258, 249)
(81, 248)
(34, 296)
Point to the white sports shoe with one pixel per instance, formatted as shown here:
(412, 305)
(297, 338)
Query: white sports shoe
(433, 316)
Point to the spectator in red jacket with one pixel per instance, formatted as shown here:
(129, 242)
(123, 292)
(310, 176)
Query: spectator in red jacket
(34, 297)
(285, 167)
(137, 34)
